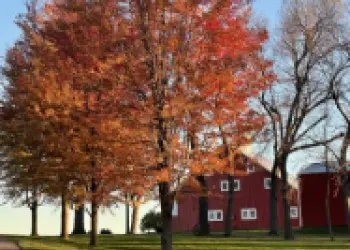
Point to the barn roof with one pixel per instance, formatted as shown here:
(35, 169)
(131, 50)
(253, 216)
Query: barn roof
(267, 165)
(320, 167)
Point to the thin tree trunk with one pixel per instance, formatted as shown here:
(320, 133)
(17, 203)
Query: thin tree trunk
(230, 178)
(64, 217)
(127, 215)
(34, 211)
(94, 215)
(135, 216)
(229, 211)
(327, 205)
(273, 202)
(79, 227)
(203, 207)
(203, 224)
(328, 188)
(288, 232)
(166, 209)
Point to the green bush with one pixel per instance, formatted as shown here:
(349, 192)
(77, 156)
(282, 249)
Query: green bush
(105, 231)
(152, 221)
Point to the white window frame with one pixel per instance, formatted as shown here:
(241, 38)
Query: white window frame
(248, 213)
(250, 168)
(215, 212)
(267, 180)
(175, 210)
(295, 214)
(225, 183)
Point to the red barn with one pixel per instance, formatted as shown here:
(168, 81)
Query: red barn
(313, 186)
(251, 201)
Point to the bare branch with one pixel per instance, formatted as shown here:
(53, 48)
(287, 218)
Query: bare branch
(310, 127)
(339, 106)
(316, 143)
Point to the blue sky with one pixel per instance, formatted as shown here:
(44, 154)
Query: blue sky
(8, 30)
(16, 220)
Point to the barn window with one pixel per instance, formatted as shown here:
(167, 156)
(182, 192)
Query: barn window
(294, 212)
(225, 186)
(267, 183)
(215, 215)
(248, 214)
(250, 168)
(175, 211)
(236, 185)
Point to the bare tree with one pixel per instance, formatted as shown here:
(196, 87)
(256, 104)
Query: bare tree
(342, 102)
(310, 59)
(328, 182)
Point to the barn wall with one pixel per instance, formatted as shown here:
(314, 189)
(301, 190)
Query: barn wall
(188, 213)
(313, 195)
(252, 194)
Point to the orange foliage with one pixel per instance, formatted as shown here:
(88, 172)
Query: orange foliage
(121, 87)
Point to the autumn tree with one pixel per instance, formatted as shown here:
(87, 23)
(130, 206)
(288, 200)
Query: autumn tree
(125, 82)
(189, 55)
(23, 160)
(22, 133)
(65, 94)
(100, 122)
(229, 121)
(133, 192)
(308, 55)
(133, 203)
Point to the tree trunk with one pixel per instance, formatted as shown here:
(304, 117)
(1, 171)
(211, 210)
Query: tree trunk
(166, 209)
(273, 201)
(79, 227)
(203, 207)
(64, 217)
(327, 204)
(94, 215)
(127, 215)
(229, 211)
(288, 232)
(135, 217)
(34, 210)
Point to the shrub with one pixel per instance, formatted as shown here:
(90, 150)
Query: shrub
(105, 231)
(152, 221)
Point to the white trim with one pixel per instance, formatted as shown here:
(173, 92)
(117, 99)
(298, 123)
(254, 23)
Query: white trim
(267, 183)
(294, 212)
(224, 185)
(249, 214)
(215, 215)
(175, 210)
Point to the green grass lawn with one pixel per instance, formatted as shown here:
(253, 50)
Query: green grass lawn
(241, 240)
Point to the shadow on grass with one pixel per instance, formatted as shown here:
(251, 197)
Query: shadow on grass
(252, 241)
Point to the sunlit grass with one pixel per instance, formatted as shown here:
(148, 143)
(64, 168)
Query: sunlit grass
(239, 240)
